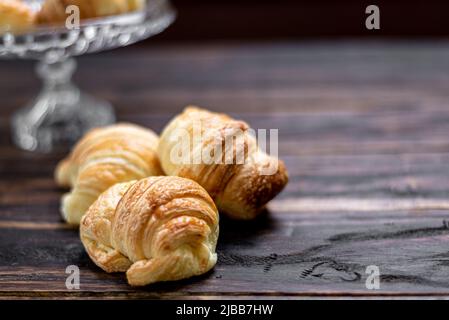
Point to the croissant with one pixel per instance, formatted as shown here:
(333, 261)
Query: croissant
(54, 11)
(155, 229)
(15, 17)
(240, 187)
(102, 158)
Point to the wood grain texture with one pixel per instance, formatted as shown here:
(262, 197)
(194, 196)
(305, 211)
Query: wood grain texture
(363, 130)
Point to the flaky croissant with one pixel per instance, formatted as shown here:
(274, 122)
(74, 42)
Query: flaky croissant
(102, 158)
(54, 11)
(155, 229)
(239, 188)
(15, 17)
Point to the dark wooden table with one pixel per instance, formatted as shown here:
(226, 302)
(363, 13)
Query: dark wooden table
(364, 131)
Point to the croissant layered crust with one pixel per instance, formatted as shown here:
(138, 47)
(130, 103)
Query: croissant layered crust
(240, 187)
(54, 11)
(102, 158)
(15, 17)
(155, 229)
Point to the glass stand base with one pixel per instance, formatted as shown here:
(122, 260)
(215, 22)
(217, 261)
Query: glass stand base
(61, 113)
(56, 130)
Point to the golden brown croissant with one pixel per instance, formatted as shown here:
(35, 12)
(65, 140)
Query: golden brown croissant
(15, 17)
(54, 11)
(240, 187)
(102, 158)
(155, 229)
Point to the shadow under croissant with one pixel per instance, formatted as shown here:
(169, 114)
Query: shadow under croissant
(233, 234)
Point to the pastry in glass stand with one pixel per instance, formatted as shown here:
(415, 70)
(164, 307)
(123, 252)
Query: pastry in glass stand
(54, 11)
(15, 17)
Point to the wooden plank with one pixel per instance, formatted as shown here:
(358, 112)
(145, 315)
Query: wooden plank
(306, 77)
(294, 254)
(328, 133)
(363, 133)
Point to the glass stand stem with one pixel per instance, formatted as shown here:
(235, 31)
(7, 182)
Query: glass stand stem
(61, 113)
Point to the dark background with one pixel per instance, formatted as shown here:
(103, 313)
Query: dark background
(290, 19)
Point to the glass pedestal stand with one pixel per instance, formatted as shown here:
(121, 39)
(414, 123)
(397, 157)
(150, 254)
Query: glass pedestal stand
(61, 112)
